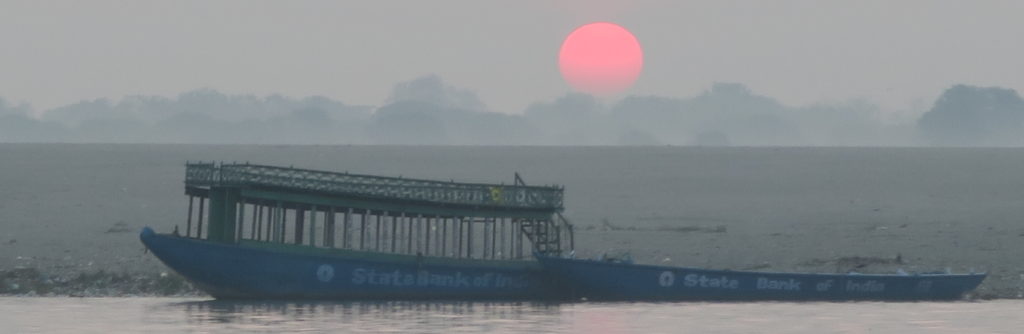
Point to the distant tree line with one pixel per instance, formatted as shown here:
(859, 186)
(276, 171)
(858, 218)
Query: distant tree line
(428, 111)
(970, 116)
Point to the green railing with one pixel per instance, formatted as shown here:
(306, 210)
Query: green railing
(376, 187)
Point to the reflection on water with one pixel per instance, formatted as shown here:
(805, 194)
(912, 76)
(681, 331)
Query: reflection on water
(164, 315)
(396, 316)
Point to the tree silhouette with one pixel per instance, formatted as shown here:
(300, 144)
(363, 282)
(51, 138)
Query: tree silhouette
(969, 115)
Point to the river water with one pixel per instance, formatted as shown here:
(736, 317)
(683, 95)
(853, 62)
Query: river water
(77, 208)
(171, 315)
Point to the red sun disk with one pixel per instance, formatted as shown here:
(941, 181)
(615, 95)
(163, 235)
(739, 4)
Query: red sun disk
(600, 58)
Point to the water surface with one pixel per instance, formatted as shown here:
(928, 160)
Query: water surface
(168, 315)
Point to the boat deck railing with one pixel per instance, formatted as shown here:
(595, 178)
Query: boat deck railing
(204, 174)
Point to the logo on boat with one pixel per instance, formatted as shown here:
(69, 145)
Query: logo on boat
(325, 273)
(667, 279)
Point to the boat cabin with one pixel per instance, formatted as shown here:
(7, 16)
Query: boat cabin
(235, 203)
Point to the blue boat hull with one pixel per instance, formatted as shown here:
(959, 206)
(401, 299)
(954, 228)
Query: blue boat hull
(274, 271)
(597, 280)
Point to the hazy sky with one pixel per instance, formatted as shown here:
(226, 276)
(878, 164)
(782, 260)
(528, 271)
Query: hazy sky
(896, 53)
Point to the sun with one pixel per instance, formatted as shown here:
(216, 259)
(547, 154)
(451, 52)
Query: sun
(601, 58)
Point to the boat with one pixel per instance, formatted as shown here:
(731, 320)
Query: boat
(286, 233)
(275, 232)
(622, 280)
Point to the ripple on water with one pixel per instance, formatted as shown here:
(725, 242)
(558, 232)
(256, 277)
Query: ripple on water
(165, 315)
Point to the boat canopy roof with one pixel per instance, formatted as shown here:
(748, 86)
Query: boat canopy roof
(377, 188)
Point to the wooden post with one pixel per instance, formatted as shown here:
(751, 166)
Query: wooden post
(517, 230)
(394, 232)
(300, 224)
(252, 229)
(259, 221)
(462, 236)
(494, 237)
(269, 223)
(514, 238)
(426, 237)
(188, 221)
(572, 238)
(329, 229)
(519, 238)
(458, 236)
(241, 221)
(502, 251)
(487, 238)
(274, 212)
(469, 239)
(362, 229)
(199, 227)
(409, 236)
(344, 228)
(415, 225)
(269, 236)
(533, 232)
(228, 231)
(444, 236)
(281, 212)
(313, 213)
(524, 240)
(380, 217)
(272, 223)
(558, 228)
(541, 236)
(548, 235)
(552, 233)
(282, 218)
